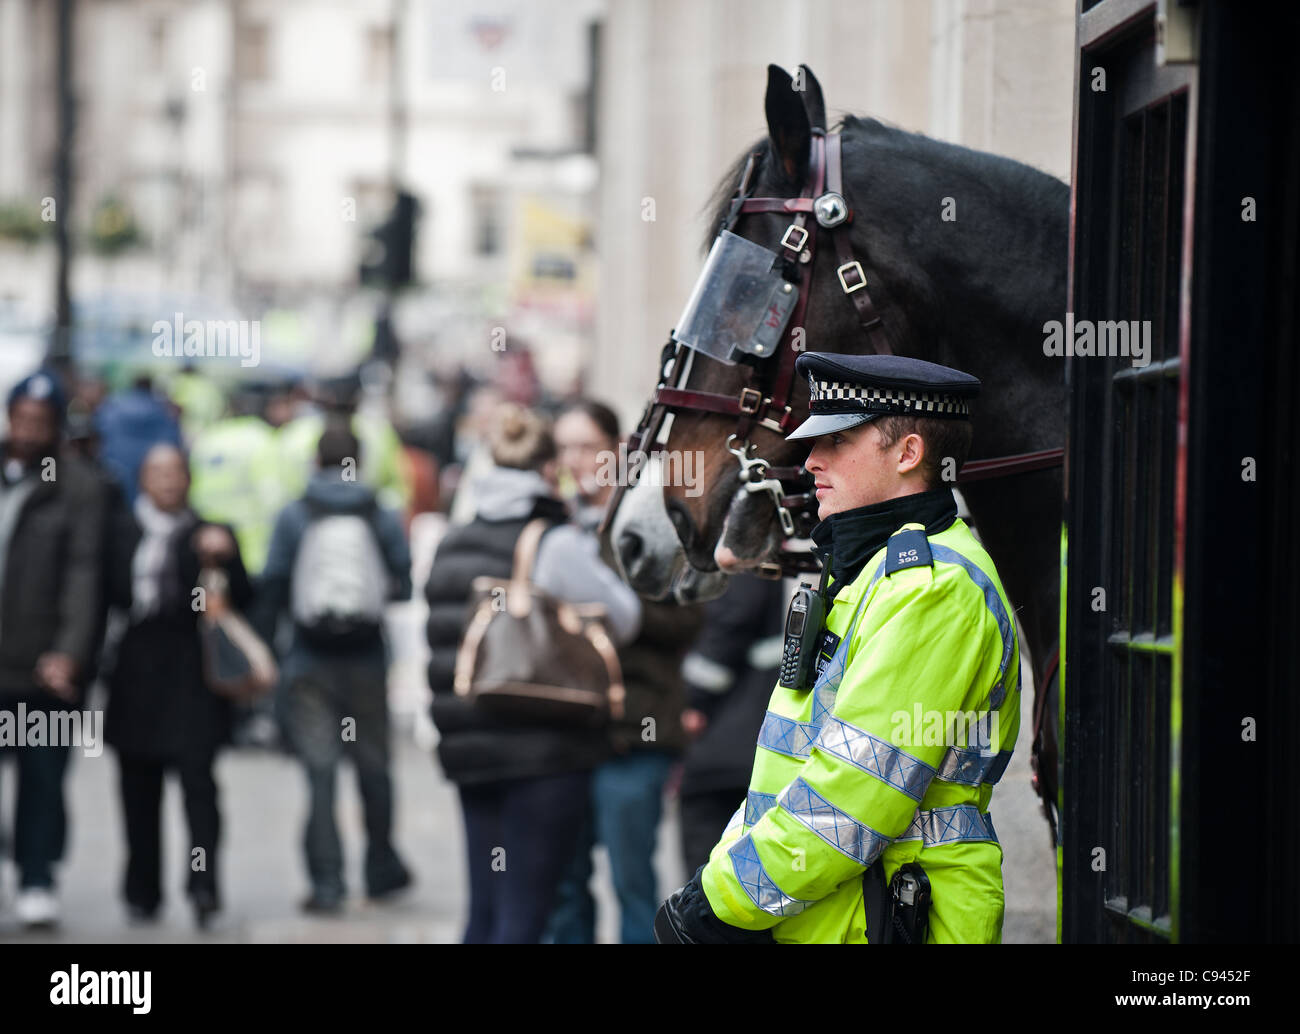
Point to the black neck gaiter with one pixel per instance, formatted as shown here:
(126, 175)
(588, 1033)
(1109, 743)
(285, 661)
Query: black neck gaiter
(853, 537)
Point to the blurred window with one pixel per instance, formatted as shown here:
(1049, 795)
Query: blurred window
(486, 205)
(378, 53)
(158, 41)
(549, 266)
(251, 58)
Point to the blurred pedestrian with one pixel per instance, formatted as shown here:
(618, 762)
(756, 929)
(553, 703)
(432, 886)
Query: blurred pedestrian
(473, 445)
(235, 463)
(235, 466)
(336, 558)
(524, 788)
(627, 789)
(161, 714)
(729, 674)
(51, 534)
(198, 398)
(130, 422)
(381, 461)
(81, 439)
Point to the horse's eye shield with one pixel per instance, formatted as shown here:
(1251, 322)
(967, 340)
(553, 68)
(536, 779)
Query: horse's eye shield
(740, 303)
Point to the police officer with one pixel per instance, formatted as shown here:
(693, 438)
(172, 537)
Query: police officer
(877, 757)
(383, 463)
(236, 475)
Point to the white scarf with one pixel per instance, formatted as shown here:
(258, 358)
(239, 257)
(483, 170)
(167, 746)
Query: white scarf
(150, 555)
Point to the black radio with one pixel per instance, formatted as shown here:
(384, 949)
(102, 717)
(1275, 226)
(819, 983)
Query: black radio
(803, 629)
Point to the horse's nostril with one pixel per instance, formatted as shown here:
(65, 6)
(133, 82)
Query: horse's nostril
(630, 547)
(681, 524)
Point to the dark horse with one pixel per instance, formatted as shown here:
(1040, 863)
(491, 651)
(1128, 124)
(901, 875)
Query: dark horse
(965, 254)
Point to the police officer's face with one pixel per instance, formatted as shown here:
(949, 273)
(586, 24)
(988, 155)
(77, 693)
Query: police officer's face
(853, 468)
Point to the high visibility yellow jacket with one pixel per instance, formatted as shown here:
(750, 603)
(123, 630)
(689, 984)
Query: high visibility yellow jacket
(235, 479)
(382, 464)
(893, 752)
(200, 400)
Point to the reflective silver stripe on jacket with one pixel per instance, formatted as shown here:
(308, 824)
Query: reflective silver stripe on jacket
(757, 805)
(786, 736)
(949, 825)
(875, 756)
(857, 840)
(967, 765)
(994, 602)
(760, 887)
(838, 828)
(934, 828)
(971, 766)
(975, 764)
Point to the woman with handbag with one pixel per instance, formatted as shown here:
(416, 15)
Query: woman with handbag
(523, 772)
(627, 789)
(161, 714)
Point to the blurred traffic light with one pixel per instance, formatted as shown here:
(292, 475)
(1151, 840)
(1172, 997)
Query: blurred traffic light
(388, 259)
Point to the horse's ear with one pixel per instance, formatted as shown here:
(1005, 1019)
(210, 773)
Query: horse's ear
(810, 90)
(787, 124)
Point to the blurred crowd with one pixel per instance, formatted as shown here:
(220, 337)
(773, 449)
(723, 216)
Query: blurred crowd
(116, 506)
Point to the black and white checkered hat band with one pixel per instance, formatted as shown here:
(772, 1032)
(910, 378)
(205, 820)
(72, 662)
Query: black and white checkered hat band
(845, 397)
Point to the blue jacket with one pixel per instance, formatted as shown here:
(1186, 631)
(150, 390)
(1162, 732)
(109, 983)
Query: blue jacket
(130, 423)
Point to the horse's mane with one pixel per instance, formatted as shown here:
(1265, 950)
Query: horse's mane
(720, 198)
(1031, 186)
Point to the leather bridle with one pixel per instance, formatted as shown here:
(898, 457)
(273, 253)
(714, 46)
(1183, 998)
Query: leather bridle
(764, 399)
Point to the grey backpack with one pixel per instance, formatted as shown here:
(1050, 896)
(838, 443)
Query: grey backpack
(340, 578)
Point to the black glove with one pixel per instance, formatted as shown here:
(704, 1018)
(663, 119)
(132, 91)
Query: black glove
(687, 918)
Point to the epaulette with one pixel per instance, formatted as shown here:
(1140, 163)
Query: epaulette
(907, 548)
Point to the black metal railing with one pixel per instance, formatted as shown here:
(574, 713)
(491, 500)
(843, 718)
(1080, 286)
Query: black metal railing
(1121, 728)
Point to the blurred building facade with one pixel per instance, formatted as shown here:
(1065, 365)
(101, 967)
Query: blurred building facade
(681, 95)
(253, 144)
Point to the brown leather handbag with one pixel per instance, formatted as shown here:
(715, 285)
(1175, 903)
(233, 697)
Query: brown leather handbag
(236, 663)
(527, 656)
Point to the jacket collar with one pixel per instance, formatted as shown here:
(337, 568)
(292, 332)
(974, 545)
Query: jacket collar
(849, 539)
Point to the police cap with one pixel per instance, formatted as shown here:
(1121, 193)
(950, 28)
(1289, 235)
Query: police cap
(847, 390)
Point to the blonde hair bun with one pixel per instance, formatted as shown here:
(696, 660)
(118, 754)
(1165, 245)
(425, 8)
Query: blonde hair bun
(521, 438)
